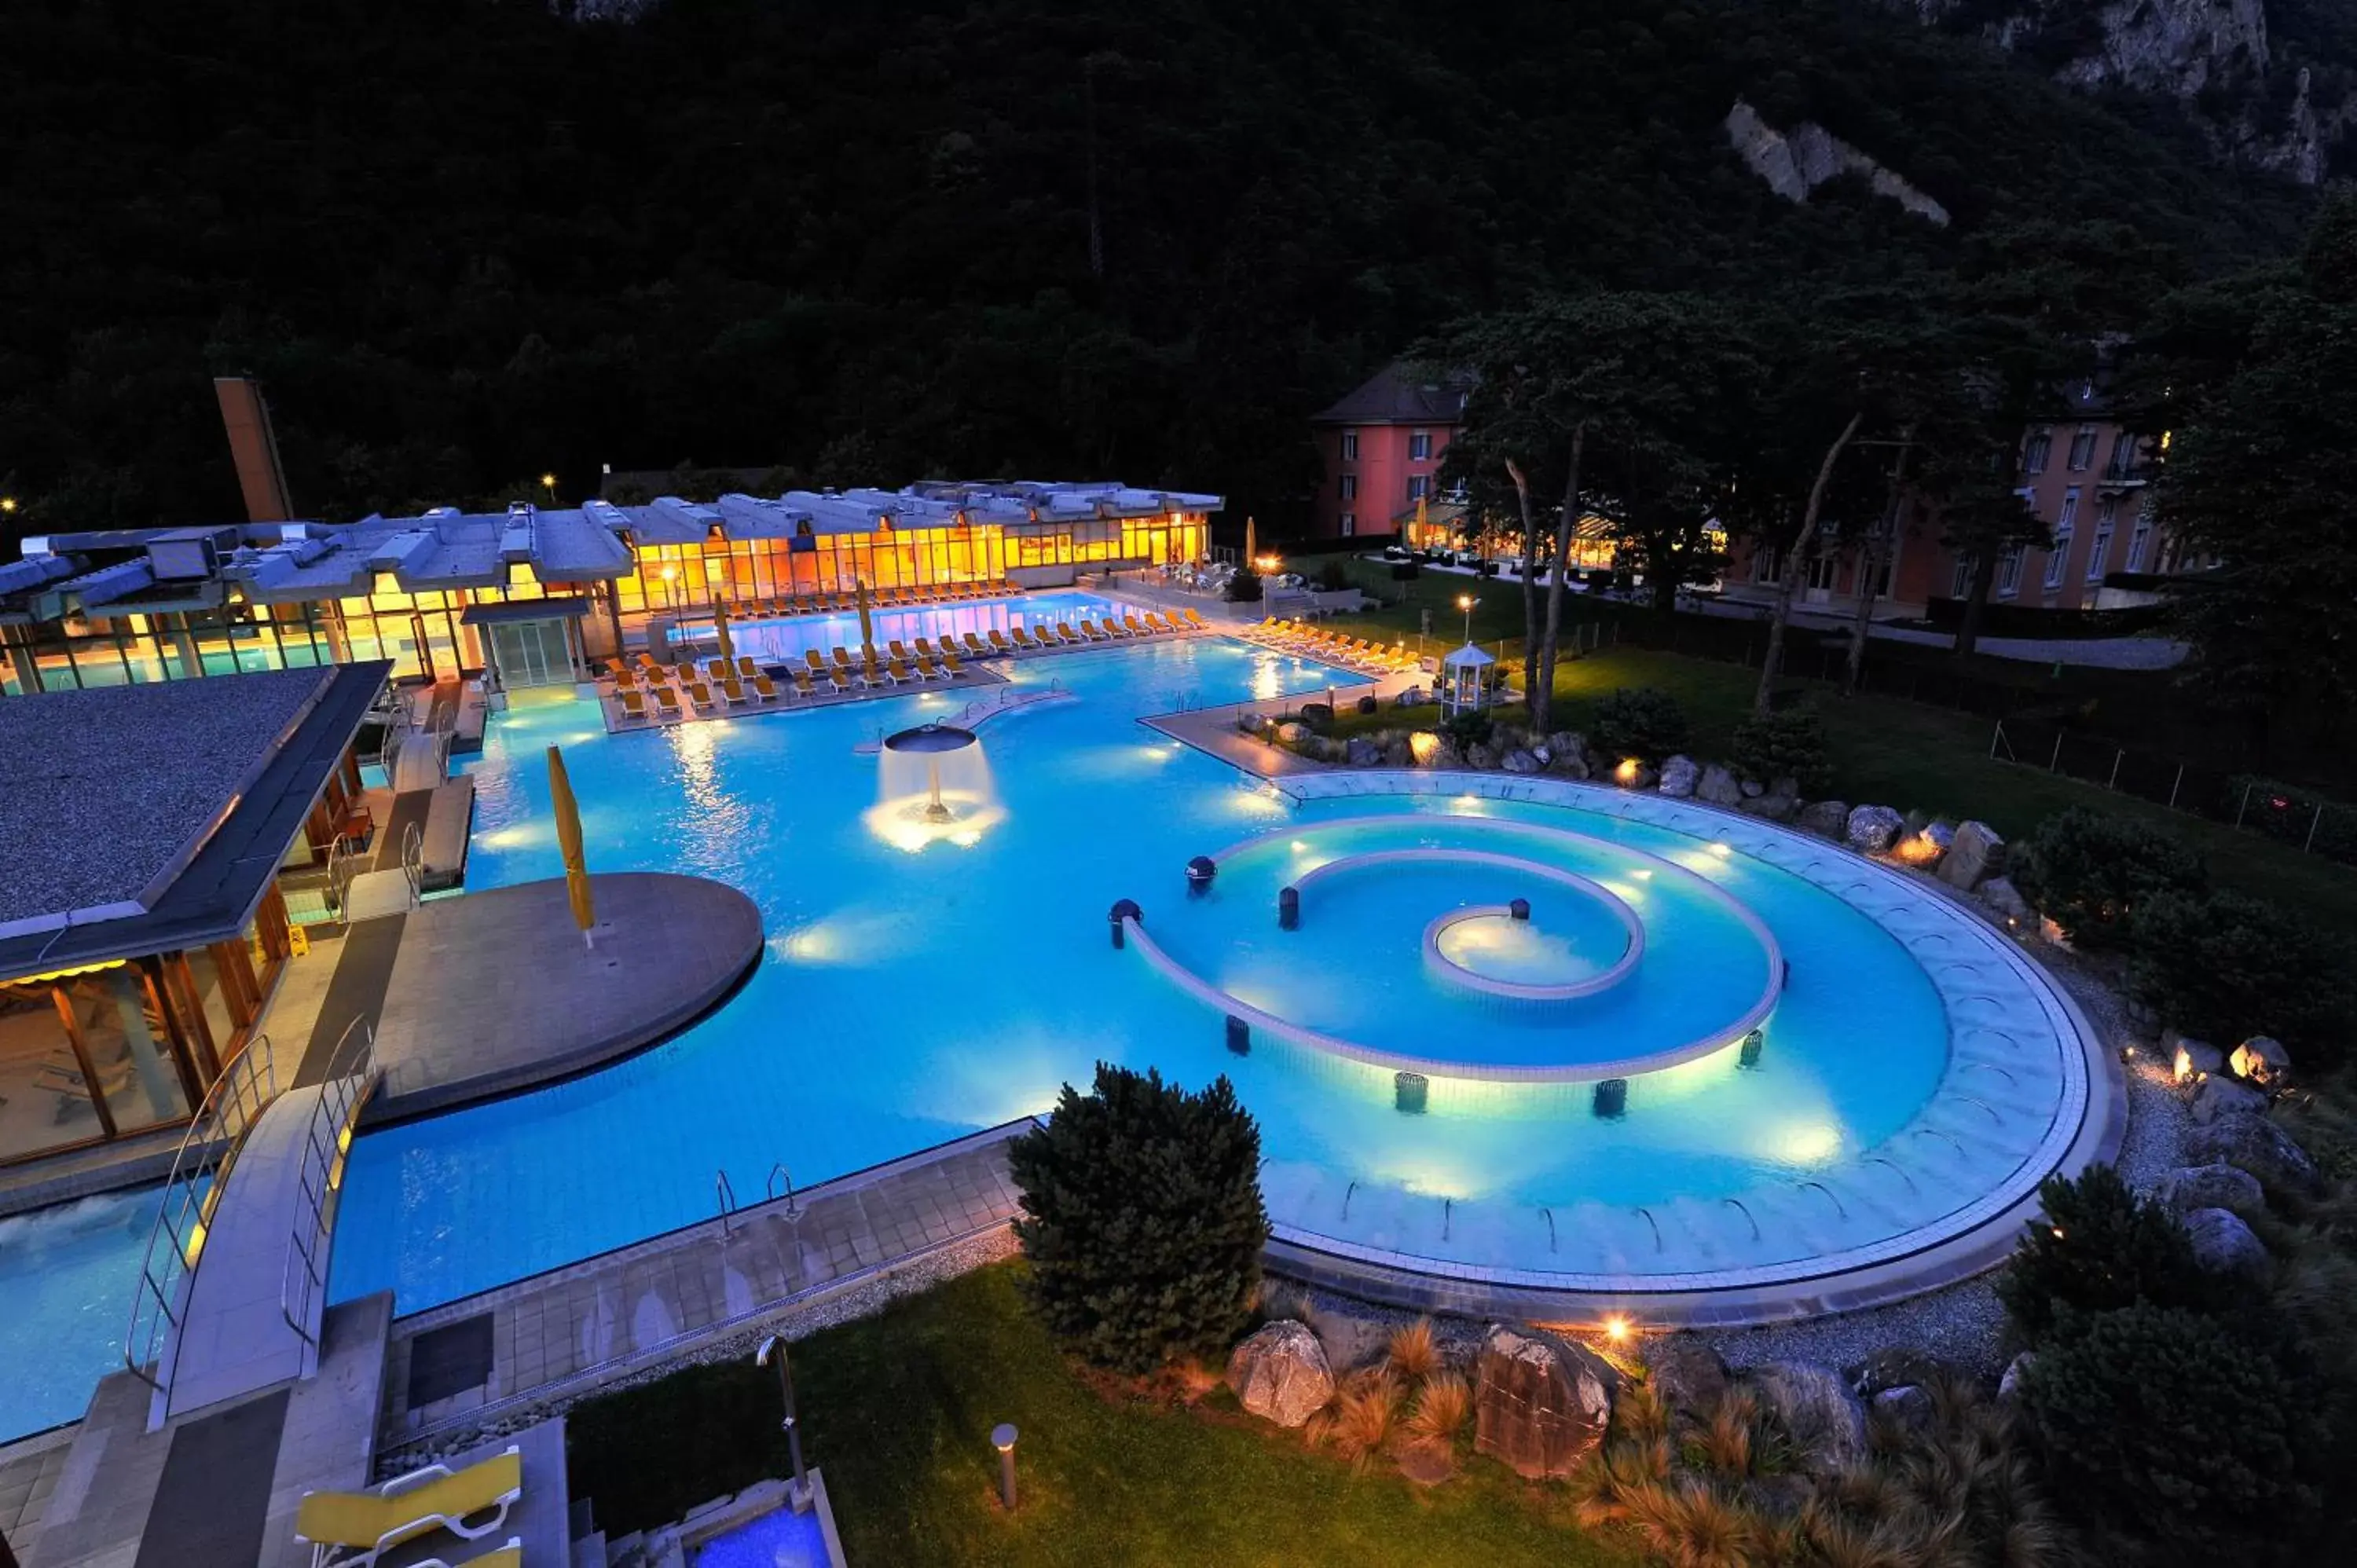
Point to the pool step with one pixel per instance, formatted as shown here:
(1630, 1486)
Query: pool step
(589, 1550)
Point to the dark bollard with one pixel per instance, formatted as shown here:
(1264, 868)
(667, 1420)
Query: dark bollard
(1612, 1098)
(1753, 1043)
(1289, 908)
(1127, 910)
(1200, 872)
(1519, 909)
(1410, 1091)
(1239, 1037)
(1002, 1437)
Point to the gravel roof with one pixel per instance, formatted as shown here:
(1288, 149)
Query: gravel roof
(105, 793)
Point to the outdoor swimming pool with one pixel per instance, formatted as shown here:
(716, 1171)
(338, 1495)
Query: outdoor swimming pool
(1912, 1073)
(66, 1279)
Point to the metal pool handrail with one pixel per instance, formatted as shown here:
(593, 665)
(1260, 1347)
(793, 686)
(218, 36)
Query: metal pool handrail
(201, 1169)
(326, 1143)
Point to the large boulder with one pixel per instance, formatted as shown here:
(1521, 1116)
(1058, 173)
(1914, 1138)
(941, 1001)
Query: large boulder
(1568, 764)
(1827, 818)
(1906, 1406)
(1719, 786)
(2229, 1187)
(1348, 1339)
(1292, 732)
(2004, 899)
(1360, 752)
(1539, 1403)
(1827, 1421)
(2215, 1097)
(1398, 755)
(1679, 777)
(1894, 1366)
(1567, 744)
(2262, 1061)
(1684, 1372)
(2188, 1059)
(1976, 852)
(1520, 760)
(1480, 755)
(1872, 830)
(1280, 1373)
(2224, 1245)
(2008, 1387)
(2258, 1147)
(1774, 806)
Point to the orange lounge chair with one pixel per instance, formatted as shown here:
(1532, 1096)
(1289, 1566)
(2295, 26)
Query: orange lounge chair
(764, 689)
(699, 693)
(974, 646)
(804, 685)
(634, 702)
(1194, 621)
(998, 642)
(899, 670)
(950, 662)
(926, 670)
(747, 668)
(1023, 638)
(666, 702)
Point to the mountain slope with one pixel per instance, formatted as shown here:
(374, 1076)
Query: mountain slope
(463, 243)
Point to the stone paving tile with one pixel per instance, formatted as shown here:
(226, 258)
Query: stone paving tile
(649, 1298)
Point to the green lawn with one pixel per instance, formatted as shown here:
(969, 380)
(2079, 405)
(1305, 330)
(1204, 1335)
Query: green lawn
(899, 1408)
(1887, 750)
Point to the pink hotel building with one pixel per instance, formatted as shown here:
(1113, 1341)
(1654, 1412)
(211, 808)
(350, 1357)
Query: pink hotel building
(1381, 446)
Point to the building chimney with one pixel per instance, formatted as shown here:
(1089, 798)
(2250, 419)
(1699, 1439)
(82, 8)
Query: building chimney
(254, 449)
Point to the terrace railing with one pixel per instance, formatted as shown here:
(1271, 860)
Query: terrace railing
(351, 1076)
(201, 1170)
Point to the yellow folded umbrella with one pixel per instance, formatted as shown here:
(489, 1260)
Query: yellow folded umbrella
(568, 840)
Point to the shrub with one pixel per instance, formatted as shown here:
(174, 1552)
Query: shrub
(1141, 1218)
(1787, 744)
(2100, 1246)
(1643, 723)
(2168, 1424)
(1363, 1414)
(1245, 587)
(1333, 576)
(1413, 1353)
(1469, 729)
(1443, 1405)
(2223, 967)
(2088, 871)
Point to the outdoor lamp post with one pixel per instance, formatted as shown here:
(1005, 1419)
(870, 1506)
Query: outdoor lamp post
(775, 1345)
(1466, 601)
(548, 483)
(1002, 1437)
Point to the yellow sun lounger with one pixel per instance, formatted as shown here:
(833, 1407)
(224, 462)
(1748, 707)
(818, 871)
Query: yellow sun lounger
(974, 646)
(747, 668)
(508, 1556)
(998, 642)
(634, 702)
(699, 693)
(765, 689)
(666, 702)
(1196, 621)
(350, 1529)
(1065, 634)
(950, 662)
(1022, 636)
(804, 685)
(898, 668)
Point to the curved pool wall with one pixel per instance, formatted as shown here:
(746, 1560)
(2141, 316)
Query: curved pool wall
(67, 1274)
(1917, 1074)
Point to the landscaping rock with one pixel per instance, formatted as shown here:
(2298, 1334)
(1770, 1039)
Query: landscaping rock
(1894, 1366)
(1827, 1421)
(1565, 743)
(1521, 761)
(1788, 785)
(2258, 1147)
(1645, 779)
(1685, 1372)
(1252, 724)
(1479, 755)
(1368, 705)
(1975, 852)
(1752, 789)
(1445, 753)
(2004, 899)
(1566, 766)
(2190, 1058)
(2008, 1387)
(1827, 818)
(1408, 697)
(1280, 1373)
(1292, 734)
(1872, 830)
(1539, 1403)
(1397, 755)
(1360, 752)
(2218, 1096)
(1774, 807)
(1679, 777)
(2222, 1186)
(2224, 1245)
(2262, 1061)
(1348, 1339)
(1906, 1406)
(1719, 786)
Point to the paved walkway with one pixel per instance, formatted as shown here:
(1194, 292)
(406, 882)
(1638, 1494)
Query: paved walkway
(563, 1333)
(234, 1337)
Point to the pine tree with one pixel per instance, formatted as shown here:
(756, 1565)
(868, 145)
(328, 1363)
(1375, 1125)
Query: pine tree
(1141, 1218)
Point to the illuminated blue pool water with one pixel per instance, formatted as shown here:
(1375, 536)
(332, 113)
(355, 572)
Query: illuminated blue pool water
(66, 1278)
(911, 996)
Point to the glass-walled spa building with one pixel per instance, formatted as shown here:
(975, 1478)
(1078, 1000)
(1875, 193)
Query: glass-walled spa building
(424, 593)
(146, 832)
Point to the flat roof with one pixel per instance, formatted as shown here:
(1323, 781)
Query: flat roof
(141, 819)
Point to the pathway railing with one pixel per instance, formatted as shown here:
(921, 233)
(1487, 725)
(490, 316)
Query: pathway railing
(326, 1145)
(201, 1169)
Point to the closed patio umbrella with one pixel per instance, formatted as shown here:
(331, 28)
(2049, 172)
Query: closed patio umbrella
(1252, 543)
(568, 840)
(867, 630)
(720, 625)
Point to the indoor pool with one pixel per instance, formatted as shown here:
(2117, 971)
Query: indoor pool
(1707, 1052)
(785, 640)
(66, 1279)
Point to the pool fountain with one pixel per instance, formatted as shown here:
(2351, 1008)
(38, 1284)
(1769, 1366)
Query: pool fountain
(933, 784)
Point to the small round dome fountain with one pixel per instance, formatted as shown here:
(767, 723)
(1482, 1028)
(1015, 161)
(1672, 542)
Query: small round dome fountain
(933, 783)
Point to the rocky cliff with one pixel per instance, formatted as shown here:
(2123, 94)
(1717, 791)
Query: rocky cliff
(2213, 57)
(1796, 161)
